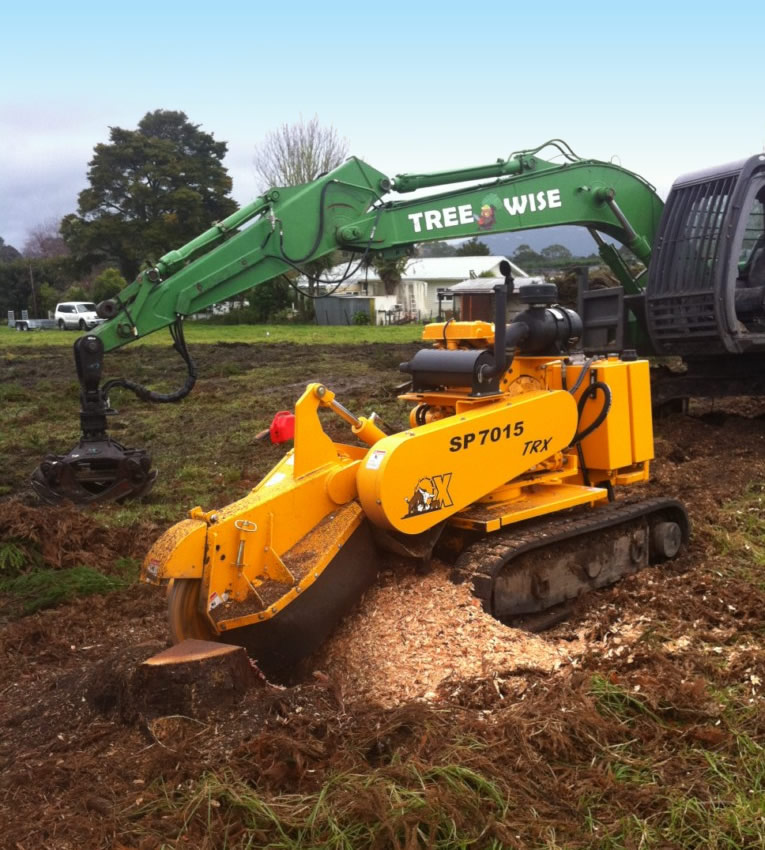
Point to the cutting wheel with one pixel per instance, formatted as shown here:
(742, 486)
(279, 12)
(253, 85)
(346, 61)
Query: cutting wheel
(184, 617)
(279, 643)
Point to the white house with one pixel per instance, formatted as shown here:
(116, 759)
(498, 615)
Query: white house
(416, 296)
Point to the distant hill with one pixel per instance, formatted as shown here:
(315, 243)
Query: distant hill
(576, 239)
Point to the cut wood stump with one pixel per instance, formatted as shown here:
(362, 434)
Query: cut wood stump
(193, 678)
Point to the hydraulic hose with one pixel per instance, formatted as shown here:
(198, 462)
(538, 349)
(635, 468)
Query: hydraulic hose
(144, 393)
(589, 393)
(582, 375)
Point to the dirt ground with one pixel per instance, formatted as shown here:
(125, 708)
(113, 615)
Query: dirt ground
(80, 770)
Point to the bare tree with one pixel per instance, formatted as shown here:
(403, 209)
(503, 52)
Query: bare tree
(44, 241)
(297, 153)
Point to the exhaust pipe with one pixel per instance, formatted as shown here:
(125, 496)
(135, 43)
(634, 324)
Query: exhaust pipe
(502, 335)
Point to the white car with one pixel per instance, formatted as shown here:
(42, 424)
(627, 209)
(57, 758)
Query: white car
(76, 314)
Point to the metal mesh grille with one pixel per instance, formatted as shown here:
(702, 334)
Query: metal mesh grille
(682, 302)
(676, 317)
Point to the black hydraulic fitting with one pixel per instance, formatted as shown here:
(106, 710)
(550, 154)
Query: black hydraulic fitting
(550, 329)
(433, 368)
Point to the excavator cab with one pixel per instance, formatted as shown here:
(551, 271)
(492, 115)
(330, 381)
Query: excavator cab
(751, 267)
(706, 282)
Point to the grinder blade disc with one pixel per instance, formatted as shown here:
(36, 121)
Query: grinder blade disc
(278, 644)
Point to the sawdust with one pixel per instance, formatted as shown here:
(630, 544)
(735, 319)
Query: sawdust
(64, 536)
(412, 635)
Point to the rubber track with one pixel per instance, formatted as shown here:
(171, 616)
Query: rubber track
(484, 560)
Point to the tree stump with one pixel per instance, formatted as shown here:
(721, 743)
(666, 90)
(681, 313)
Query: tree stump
(192, 678)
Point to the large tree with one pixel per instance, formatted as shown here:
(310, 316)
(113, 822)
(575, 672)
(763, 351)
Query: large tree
(151, 189)
(21, 282)
(390, 269)
(107, 284)
(473, 248)
(556, 253)
(439, 248)
(7, 252)
(525, 255)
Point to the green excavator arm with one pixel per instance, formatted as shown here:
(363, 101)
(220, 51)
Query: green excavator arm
(348, 209)
(345, 210)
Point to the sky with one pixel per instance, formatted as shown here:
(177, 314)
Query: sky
(662, 88)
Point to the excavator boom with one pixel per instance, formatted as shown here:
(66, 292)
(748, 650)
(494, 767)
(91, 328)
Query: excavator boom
(345, 210)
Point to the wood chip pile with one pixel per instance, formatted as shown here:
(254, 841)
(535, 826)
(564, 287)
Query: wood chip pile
(412, 633)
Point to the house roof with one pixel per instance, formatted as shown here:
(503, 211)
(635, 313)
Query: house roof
(485, 285)
(452, 268)
(445, 269)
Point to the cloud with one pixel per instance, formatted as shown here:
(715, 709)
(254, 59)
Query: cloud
(36, 190)
(45, 161)
(43, 167)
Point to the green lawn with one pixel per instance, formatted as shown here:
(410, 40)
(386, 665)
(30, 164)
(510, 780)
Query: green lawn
(204, 332)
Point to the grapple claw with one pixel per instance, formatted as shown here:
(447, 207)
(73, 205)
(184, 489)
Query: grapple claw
(95, 470)
(98, 468)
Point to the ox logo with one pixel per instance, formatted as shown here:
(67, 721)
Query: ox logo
(430, 494)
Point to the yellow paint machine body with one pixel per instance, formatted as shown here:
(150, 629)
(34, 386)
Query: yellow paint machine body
(276, 569)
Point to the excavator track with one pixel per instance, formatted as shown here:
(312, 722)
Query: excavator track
(527, 574)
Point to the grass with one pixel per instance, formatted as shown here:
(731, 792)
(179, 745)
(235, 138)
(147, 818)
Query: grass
(205, 332)
(236, 396)
(740, 534)
(41, 588)
(445, 807)
(13, 558)
(614, 701)
(729, 814)
(722, 806)
(651, 789)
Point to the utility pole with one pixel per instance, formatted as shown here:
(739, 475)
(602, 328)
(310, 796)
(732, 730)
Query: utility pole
(34, 296)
